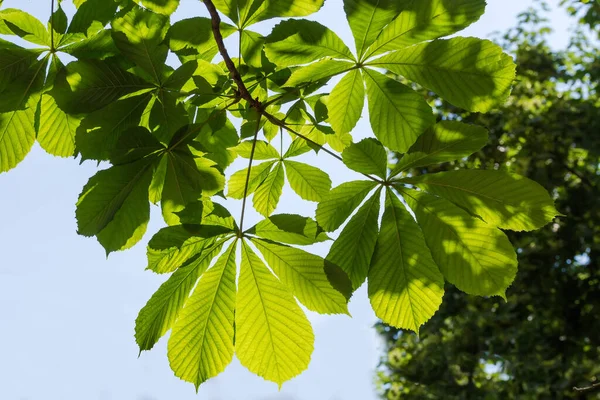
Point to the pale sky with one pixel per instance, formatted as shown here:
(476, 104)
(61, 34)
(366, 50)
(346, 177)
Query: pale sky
(67, 313)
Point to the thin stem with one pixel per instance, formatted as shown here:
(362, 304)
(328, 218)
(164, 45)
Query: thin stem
(52, 26)
(248, 178)
(281, 141)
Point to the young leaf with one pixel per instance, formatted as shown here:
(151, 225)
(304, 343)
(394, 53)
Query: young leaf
(337, 206)
(353, 249)
(267, 194)
(472, 255)
(349, 100)
(470, 73)
(308, 182)
(444, 141)
(304, 274)
(161, 311)
(367, 18)
(273, 336)
(296, 42)
(201, 345)
(398, 115)
(367, 156)
(290, 229)
(501, 199)
(426, 20)
(405, 285)
(237, 182)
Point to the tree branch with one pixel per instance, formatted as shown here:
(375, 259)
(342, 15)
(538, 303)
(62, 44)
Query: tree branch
(243, 90)
(595, 386)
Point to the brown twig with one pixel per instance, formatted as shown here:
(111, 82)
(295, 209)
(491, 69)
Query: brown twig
(587, 388)
(243, 90)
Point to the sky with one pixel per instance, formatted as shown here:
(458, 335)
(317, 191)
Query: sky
(67, 313)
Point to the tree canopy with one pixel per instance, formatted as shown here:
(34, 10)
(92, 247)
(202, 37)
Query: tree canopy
(544, 341)
(97, 85)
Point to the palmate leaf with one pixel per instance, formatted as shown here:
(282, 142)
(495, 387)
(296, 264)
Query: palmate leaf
(337, 206)
(353, 249)
(237, 182)
(262, 150)
(501, 199)
(24, 25)
(470, 73)
(398, 115)
(367, 156)
(349, 94)
(161, 311)
(304, 274)
(193, 37)
(296, 42)
(201, 344)
(475, 257)
(405, 285)
(426, 20)
(314, 72)
(273, 336)
(444, 141)
(290, 229)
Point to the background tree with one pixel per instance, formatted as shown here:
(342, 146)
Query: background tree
(544, 340)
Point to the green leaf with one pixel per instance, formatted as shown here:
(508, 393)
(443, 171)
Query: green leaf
(320, 70)
(367, 18)
(426, 20)
(367, 156)
(252, 45)
(405, 285)
(273, 336)
(470, 73)
(398, 115)
(92, 16)
(172, 246)
(304, 274)
(353, 249)
(349, 94)
(187, 178)
(138, 35)
(161, 311)
(267, 194)
(307, 181)
(290, 229)
(262, 151)
(166, 7)
(260, 10)
(501, 199)
(237, 182)
(341, 202)
(295, 42)
(57, 129)
(24, 25)
(89, 85)
(194, 36)
(201, 345)
(167, 116)
(114, 205)
(18, 105)
(100, 46)
(136, 144)
(100, 131)
(472, 255)
(444, 141)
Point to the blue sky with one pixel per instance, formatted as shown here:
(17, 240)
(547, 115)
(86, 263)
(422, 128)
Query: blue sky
(67, 314)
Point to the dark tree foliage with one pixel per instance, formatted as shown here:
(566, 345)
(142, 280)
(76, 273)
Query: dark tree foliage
(545, 340)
